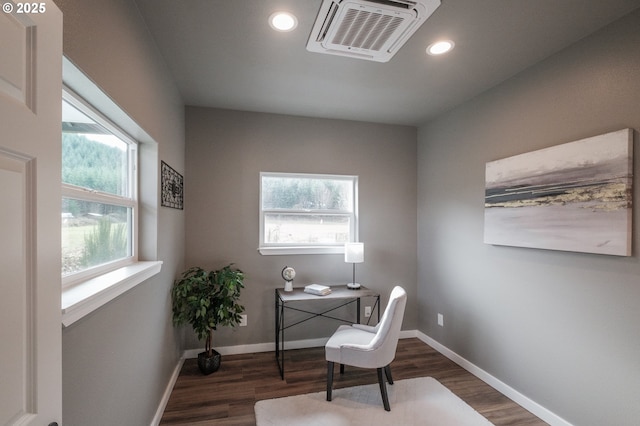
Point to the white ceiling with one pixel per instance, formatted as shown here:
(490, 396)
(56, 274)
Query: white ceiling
(222, 53)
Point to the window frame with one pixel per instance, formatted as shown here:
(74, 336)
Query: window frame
(85, 194)
(310, 248)
(86, 296)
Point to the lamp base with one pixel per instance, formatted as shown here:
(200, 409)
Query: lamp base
(353, 286)
(288, 286)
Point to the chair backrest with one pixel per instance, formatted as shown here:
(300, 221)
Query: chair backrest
(386, 340)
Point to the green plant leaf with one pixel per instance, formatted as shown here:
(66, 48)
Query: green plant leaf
(207, 300)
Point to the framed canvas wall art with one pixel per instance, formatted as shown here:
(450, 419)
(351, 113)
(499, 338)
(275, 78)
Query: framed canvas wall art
(574, 197)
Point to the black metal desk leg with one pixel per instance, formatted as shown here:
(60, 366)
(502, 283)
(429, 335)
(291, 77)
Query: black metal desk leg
(277, 323)
(358, 312)
(279, 326)
(282, 337)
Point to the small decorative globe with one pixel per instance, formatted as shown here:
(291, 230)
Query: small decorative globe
(288, 273)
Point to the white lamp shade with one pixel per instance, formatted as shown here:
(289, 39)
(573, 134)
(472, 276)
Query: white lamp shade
(354, 252)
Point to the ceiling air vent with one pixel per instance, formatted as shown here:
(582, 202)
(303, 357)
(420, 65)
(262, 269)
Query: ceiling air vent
(367, 29)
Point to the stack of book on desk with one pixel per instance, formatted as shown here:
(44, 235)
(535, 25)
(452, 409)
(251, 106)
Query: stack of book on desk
(317, 289)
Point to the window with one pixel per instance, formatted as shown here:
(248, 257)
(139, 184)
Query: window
(303, 213)
(99, 205)
(117, 204)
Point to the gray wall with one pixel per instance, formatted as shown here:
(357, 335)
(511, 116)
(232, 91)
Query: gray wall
(562, 328)
(117, 361)
(226, 151)
(559, 327)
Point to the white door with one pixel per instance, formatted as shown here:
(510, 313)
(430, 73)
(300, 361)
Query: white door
(30, 117)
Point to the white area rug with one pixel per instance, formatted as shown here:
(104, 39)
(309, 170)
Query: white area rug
(421, 401)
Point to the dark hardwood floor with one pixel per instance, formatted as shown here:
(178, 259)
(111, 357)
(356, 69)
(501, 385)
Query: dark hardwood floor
(227, 396)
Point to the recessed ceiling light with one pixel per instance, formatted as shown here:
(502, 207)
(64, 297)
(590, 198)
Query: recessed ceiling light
(440, 47)
(283, 21)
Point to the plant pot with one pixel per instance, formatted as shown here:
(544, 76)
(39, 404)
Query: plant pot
(209, 364)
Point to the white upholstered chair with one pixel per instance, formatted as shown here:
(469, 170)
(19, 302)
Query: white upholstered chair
(368, 347)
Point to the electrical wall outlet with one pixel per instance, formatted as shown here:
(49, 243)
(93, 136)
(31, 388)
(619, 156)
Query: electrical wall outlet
(367, 311)
(441, 320)
(243, 321)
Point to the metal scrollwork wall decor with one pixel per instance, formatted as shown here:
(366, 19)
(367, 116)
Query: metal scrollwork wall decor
(172, 187)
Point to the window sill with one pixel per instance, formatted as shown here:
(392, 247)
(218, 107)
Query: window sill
(81, 299)
(274, 251)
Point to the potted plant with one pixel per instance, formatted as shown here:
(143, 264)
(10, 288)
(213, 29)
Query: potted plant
(206, 300)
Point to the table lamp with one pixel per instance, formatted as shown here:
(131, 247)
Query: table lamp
(354, 253)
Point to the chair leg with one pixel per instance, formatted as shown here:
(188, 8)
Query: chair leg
(329, 379)
(387, 372)
(383, 390)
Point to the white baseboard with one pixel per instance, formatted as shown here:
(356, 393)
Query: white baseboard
(520, 399)
(500, 386)
(258, 347)
(167, 393)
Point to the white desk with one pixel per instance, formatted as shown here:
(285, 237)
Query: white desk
(284, 300)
